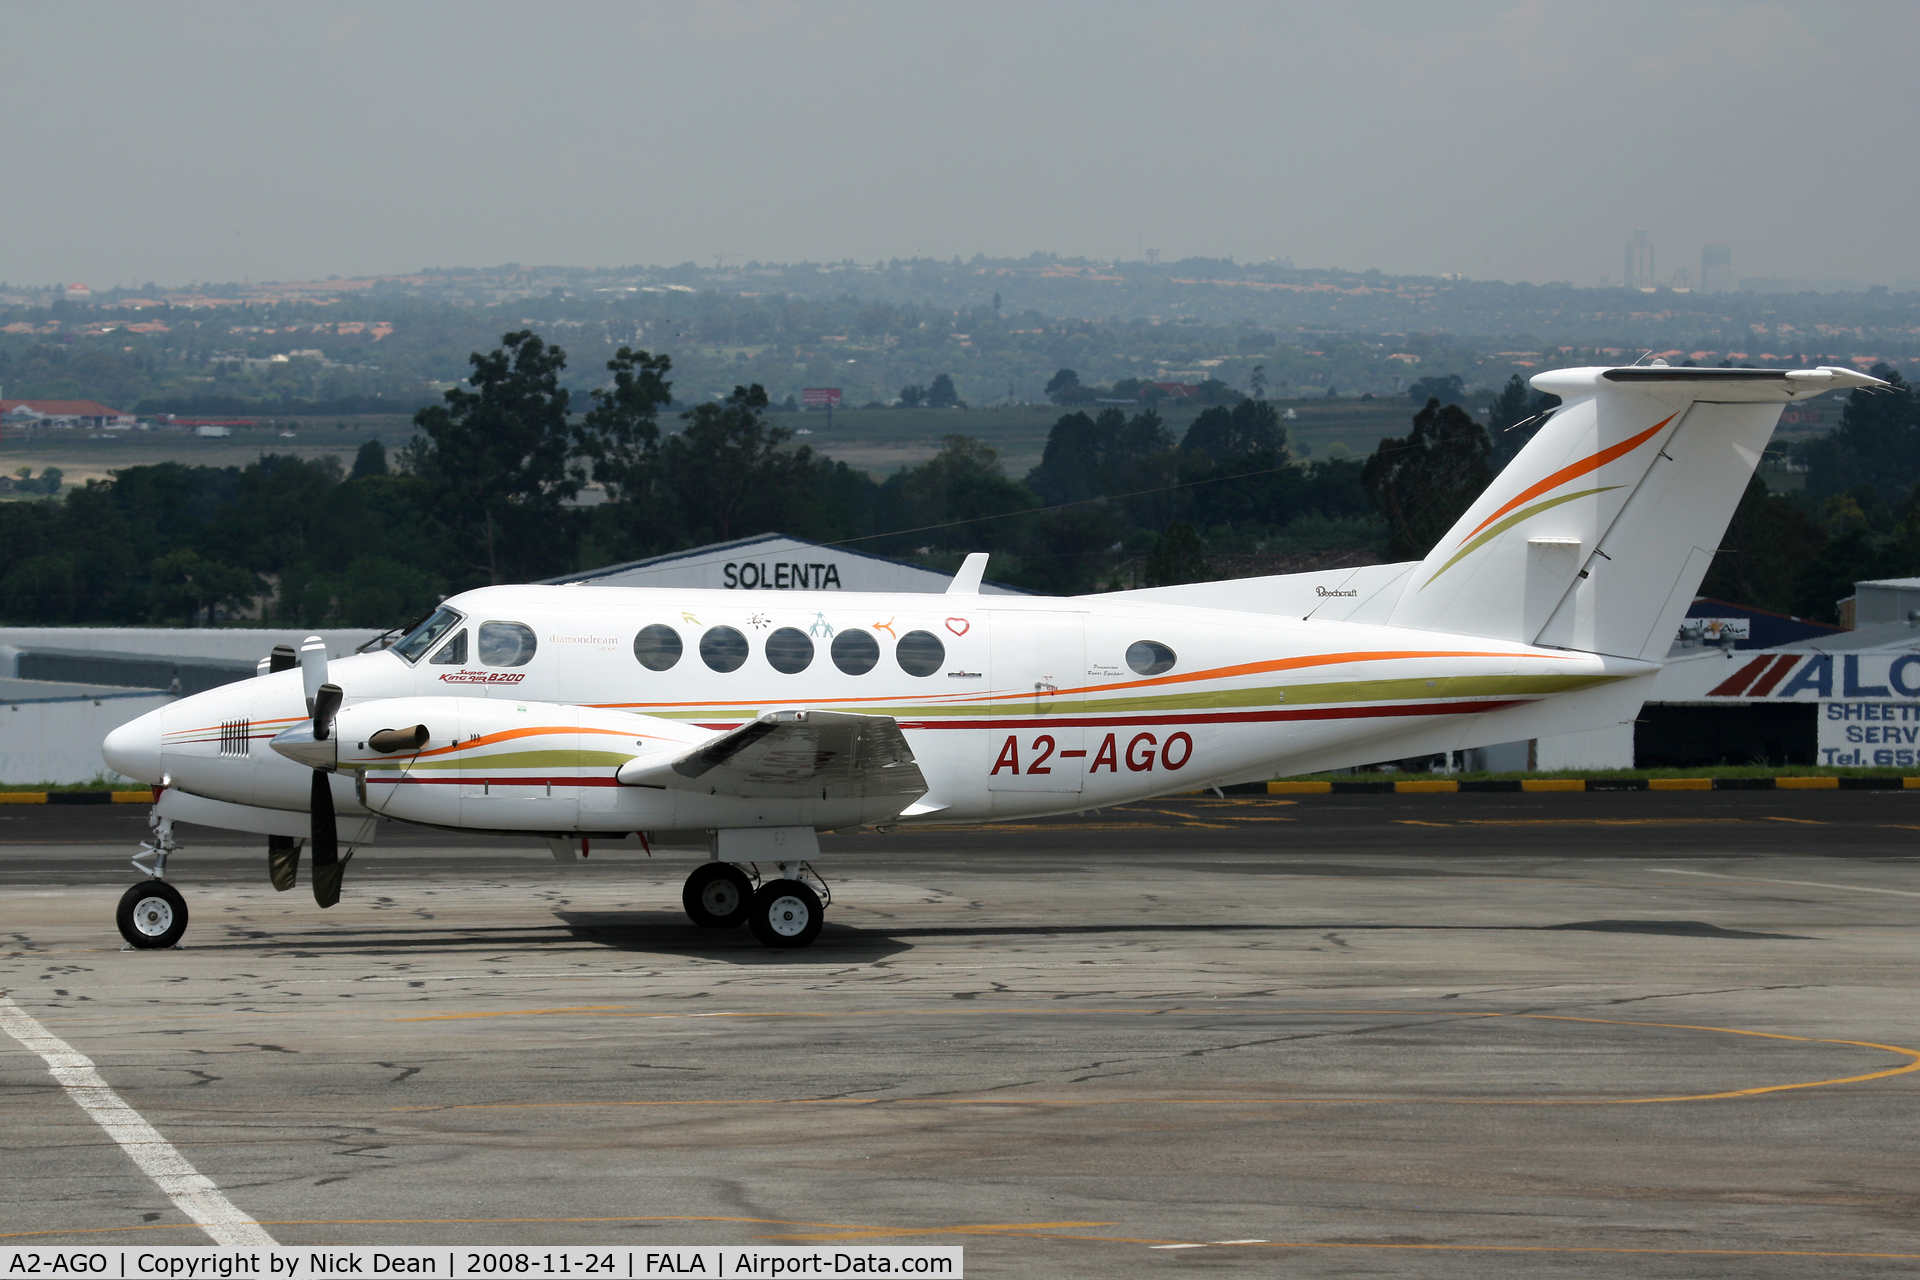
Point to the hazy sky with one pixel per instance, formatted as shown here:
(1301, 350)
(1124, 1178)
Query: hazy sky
(182, 141)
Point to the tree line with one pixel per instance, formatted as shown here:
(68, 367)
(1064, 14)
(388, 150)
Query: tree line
(491, 490)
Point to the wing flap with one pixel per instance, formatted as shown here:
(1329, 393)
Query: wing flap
(828, 755)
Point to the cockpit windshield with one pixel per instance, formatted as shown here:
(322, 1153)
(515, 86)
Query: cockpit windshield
(424, 636)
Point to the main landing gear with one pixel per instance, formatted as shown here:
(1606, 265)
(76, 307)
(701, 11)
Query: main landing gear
(153, 914)
(784, 911)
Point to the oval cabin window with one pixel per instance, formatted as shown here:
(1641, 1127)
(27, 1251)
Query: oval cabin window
(723, 648)
(855, 652)
(1149, 657)
(920, 653)
(657, 647)
(506, 644)
(789, 651)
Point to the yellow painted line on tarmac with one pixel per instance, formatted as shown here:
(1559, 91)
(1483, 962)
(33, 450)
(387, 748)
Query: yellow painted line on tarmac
(1805, 822)
(1415, 822)
(1603, 822)
(1449, 1016)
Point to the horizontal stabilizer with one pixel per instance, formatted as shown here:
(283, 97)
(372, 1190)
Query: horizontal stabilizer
(828, 755)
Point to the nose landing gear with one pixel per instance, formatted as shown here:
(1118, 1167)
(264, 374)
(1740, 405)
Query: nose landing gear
(153, 915)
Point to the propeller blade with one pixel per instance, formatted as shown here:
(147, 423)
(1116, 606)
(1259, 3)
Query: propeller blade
(326, 703)
(327, 863)
(282, 658)
(313, 667)
(283, 861)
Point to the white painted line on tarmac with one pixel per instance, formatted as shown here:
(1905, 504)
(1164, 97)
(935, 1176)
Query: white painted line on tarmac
(191, 1191)
(1804, 884)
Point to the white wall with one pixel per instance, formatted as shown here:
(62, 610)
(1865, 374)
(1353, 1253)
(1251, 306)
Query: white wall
(1608, 748)
(222, 644)
(58, 740)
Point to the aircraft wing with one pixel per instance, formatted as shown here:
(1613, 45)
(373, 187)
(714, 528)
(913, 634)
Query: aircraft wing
(791, 754)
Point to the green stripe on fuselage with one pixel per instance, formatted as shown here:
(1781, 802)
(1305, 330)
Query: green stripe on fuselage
(1411, 689)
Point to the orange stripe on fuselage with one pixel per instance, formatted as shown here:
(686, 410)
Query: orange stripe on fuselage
(532, 731)
(1580, 468)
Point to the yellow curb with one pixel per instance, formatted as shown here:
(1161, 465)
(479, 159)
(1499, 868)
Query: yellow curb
(1679, 784)
(1299, 788)
(1553, 784)
(1910, 783)
(1806, 784)
(23, 797)
(1447, 785)
(133, 797)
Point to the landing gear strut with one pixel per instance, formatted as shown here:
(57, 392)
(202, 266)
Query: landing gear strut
(153, 915)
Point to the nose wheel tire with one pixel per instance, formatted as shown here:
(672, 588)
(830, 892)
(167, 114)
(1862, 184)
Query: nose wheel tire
(152, 915)
(785, 913)
(716, 895)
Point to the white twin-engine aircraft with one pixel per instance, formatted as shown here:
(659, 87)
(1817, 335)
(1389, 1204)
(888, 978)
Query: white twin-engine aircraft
(752, 721)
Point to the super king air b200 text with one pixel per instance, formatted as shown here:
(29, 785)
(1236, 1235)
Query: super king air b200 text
(751, 723)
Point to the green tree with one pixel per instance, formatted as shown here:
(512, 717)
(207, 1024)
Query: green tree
(371, 460)
(1177, 557)
(940, 393)
(1876, 443)
(621, 433)
(729, 470)
(187, 585)
(962, 487)
(495, 459)
(1422, 482)
(1250, 427)
(912, 394)
(1767, 547)
(1448, 389)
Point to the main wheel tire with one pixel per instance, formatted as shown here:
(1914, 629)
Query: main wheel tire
(786, 913)
(716, 895)
(152, 915)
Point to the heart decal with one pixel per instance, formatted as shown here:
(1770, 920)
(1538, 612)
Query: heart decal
(958, 626)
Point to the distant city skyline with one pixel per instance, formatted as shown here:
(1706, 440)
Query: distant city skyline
(1497, 139)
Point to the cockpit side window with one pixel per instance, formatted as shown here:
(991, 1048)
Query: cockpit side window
(506, 644)
(454, 652)
(428, 634)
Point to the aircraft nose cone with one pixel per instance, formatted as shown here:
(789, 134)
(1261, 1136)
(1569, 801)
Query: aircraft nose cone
(133, 750)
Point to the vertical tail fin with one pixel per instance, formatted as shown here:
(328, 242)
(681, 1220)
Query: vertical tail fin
(1597, 535)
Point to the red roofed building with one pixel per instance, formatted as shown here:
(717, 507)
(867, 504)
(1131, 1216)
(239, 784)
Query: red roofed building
(62, 413)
